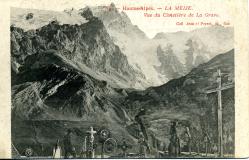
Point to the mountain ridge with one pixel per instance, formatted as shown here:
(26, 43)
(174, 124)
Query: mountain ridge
(91, 38)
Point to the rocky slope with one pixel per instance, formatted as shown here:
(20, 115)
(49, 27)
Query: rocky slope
(132, 41)
(87, 46)
(117, 22)
(49, 96)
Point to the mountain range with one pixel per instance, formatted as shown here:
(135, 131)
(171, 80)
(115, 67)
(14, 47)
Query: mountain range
(141, 51)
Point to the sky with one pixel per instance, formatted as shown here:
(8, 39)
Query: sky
(149, 25)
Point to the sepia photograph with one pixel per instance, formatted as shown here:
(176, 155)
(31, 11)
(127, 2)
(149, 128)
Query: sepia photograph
(96, 81)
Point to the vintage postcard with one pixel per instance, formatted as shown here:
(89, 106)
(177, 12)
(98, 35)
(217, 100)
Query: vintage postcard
(124, 79)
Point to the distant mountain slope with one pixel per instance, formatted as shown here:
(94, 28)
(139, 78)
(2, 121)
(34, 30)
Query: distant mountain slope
(215, 39)
(202, 44)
